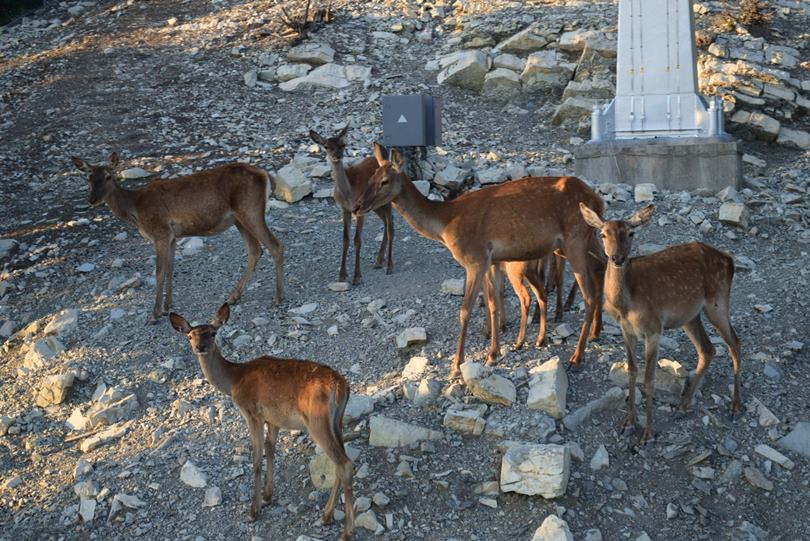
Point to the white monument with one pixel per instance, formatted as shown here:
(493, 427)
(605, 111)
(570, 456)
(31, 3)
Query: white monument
(658, 128)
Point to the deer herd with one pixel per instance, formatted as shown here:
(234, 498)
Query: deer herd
(526, 229)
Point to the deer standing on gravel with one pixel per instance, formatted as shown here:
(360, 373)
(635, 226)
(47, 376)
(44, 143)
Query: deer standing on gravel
(666, 290)
(280, 393)
(516, 221)
(200, 204)
(349, 183)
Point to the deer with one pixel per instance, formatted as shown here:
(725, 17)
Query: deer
(200, 204)
(281, 394)
(517, 272)
(349, 182)
(520, 220)
(663, 290)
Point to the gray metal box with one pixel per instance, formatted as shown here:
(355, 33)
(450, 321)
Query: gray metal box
(413, 120)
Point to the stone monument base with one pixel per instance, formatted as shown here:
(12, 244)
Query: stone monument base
(671, 163)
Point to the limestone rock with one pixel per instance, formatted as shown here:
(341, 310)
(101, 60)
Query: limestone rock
(793, 138)
(797, 440)
(546, 69)
(548, 387)
(423, 392)
(54, 389)
(644, 192)
(762, 126)
(669, 382)
(614, 398)
(423, 186)
(368, 520)
(589, 88)
(63, 324)
(451, 177)
(288, 72)
(467, 421)
(734, 213)
(553, 529)
(490, 175)
(330, 77)
(501, 83)
(524, 41)
(466, 69)
(572, 109)
(134, 173)
(488, 386)
(536, 469)
(774, 456)
(600, 459)
(411, 336)
(291, 184)
(387, 432)
(213, 497)
(192, 476)
(104, 437)
(510, 62)
(358, 406)
(453, 286)
(311, 53)
(41, 352)
(122, 502)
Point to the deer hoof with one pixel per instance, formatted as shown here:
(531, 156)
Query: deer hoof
(648, 437)
(326, 518)
(252, 514)
(628, 425)
(389, 270)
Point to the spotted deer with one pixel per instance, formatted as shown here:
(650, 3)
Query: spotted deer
(279, 393)
(200, 204)
(666, 290)
(519, 220)
(349, 183)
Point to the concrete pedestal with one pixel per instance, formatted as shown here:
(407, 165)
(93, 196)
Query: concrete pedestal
(671, 163)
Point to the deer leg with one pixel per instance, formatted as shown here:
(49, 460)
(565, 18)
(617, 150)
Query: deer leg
(269, 452)
(256, 428)
(536, 283)
(389, 226)
(596, 277)
(572, 295)
(257, 227)
(162, 249)
(697, 335)
(471, 288)
(381, 252)
(629, 423)
(516, 279)
(718, 315)
(358, 241)
(254, 251)
(559, 278)
(576, 253)
(493, 294)
(489, 283)
(651, 361)
(347, 222)
(327, 435)
(167, 299)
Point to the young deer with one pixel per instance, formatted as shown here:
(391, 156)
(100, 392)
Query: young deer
(349, 183)
(200, 204)
(666, 290)
(516, 221)
(533, 272)
(279, 393)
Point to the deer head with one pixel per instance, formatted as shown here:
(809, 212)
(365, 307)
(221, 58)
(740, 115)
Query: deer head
(201, 337)
(100, 178)
(334, 146)
(386, 184)
(617, 235)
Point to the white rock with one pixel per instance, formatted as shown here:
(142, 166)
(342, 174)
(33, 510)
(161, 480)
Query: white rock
(213, 497)
(469, 421)
(734, 213)
(536, 469)
(451, 176)
(563, 330)
(423, 392)
(368, 520)
(466, 69)
(122, 502)
(547, 69)
(134, 173)
(416, 368)
(288, 72)
(593, 535)
(63, 323)
(411, 336)
(524, 41)
(501, 82)
(600, 459)
(548, 388)
(793, 138)
(553, 529)
(304, 309)
(193, 246)
(339, 286)
(645, 192)
(510, 62)
(192, 476)
(54, 389)
(357, 407)
(311, 53)
(490, 175)
(798, 440)
(423, 186)
(291, 184)
(387, 432)
(86, 267)
(453, 286)
(774, 456)
(322, 470)
(40, 352)
(83, 468)
(488, 386)
(87, 509)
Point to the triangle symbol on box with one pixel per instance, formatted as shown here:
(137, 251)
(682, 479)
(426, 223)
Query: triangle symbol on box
(402, 120)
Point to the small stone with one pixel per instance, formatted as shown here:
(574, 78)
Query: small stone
(645, 192)
(133, 173)
(465, 421)
(548, 387)
(387, 432)
(63, 323)
(798, 440)
(466, 69)
(563, 331)
(368, 520)
(756, 478)
(380, 499)
(358, 406)
(104, 437)
(304, 309)
(122, 502)
(600, 459)
(672, 511)
(488, 386)
(87, 509)
(54, 389)
(453, 286)
(213, 497)
(553, 529)
(416, 368)
(339, 287)
(291, 184)
(536, 469)
(411, 336)
(774, 456)
(311, 53)
(404, 470)
(593, 535)
(192, 476)
(734, 213)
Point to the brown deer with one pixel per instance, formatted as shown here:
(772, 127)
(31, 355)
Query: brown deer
(200, 204)
(516, 221)
(349, 183)
(280, 393)
(665, 290)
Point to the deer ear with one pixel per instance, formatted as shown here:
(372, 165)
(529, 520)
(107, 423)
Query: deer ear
(591, 218)
(397, 160)
(221, 318)
(342, 133)
(80, 164)
(179, 323)
(315, 137)
(114, 159)
(378, 153)
(641, 217)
